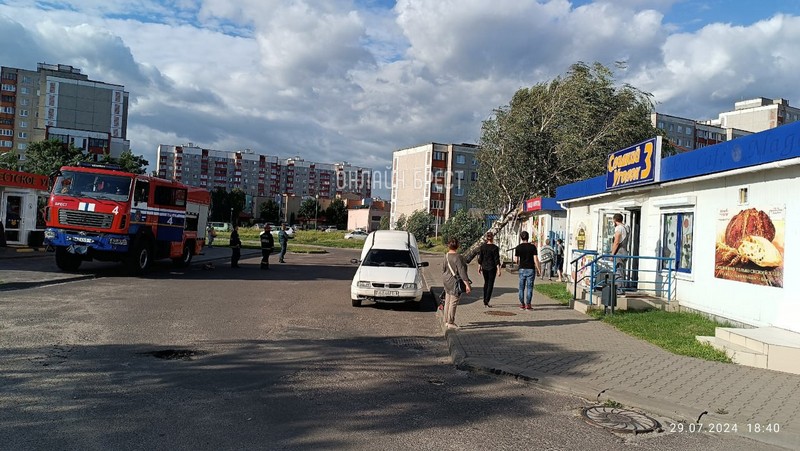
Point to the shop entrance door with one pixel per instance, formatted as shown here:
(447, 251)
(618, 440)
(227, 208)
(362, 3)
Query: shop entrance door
(11, 209)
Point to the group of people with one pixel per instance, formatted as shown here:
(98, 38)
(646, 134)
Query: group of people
(267, 245)
(547, 261)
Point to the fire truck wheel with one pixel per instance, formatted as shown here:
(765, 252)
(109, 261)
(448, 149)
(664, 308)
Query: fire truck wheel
(66, 261)
(139, 260)
(186, 257)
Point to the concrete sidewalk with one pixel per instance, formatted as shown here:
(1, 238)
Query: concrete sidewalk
(560, 348)
(19, 267)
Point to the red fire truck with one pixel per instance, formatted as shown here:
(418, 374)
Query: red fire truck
(99, 212)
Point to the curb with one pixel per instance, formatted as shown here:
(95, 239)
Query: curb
(12, 286)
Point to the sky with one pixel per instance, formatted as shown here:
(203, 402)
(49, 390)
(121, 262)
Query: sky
(354, 80)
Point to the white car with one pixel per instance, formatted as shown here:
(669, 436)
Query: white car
(389, 269)
(289, 231)
(356, 235)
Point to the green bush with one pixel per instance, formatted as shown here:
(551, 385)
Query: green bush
(465, 228)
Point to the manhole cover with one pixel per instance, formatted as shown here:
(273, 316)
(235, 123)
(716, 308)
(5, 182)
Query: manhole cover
(173, 354)
(619, 420)
(499, 313)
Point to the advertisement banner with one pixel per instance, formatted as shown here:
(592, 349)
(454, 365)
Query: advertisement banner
(637, 165)
(750, 245)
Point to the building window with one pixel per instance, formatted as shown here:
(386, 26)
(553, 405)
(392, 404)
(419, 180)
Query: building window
(458, 190)
(688, 131)
(439, 156)
(6, 143)
(25, 90)
(474, 177)
(474, 161)
(23, 113)
(437, 188)
(10, 88)
(457, 206)
(24, 102)
(661, 124)
(461, 159)
(437, 205)
(6, 132)
(22, 135)
(7, 109)
(458, 175)
(22, 146)
(677, 240)
(27, 79)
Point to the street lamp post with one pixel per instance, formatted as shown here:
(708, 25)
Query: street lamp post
(316, 210)
(231, 216)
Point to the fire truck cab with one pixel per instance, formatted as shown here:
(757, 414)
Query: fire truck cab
(99, 212)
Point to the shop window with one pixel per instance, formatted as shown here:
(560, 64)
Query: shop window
(677, 240)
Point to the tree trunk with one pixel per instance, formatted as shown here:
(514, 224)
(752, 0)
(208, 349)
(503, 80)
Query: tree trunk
(498, 225)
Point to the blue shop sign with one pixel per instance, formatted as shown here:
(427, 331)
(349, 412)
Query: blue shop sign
(639, 164)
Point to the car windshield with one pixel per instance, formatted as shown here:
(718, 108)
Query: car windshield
(95, 186)
(389, 257)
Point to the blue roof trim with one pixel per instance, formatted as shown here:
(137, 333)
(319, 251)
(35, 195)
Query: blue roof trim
(781, 143)
(550, 204)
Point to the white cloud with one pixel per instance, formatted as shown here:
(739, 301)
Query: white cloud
(339, 80)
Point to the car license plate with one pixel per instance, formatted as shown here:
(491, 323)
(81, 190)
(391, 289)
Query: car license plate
(386, 293)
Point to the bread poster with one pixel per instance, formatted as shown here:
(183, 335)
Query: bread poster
(750, 245)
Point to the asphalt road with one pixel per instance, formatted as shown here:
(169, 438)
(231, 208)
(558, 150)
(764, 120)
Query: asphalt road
(251, 359)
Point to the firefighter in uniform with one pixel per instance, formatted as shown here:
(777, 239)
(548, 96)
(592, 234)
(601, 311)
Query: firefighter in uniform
(267, 244)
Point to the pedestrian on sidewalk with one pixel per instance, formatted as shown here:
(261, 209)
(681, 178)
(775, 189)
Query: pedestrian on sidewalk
(527, 260)
(620, 247)
(456, 282)
(267, 245)
(560, 260)
(236, 247)
(211, 233)
(488, 266)
(547, 256)
(283, 240)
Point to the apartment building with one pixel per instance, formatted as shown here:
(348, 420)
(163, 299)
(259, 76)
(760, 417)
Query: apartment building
(57, 101)
(759, 114)
(432, 177)
(260, 175)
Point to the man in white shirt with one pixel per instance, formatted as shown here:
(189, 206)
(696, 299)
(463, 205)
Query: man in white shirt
(620, 247)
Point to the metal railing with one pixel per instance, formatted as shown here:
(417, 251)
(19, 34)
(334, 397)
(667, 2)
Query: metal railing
(599, 268)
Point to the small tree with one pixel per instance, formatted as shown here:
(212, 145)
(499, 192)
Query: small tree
(269, 211)
(400, 224)
(465, 228)
(9, 160)
(336, 214)
(384, 222)
(309, 209)
(46, 157)
(419, 224)
(128, 162)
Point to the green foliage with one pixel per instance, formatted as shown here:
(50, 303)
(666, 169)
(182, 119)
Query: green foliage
(336, 214)
(309, 209)
(9, 160)
(46, 157)
(557, 291)
(400, 224)
(269, 211)
(129, 162)
(465, 228)
(222, 202)
(384, 222)
(419, 224)
(557, 133)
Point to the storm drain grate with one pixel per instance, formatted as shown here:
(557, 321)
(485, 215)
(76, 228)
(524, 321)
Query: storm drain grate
(410, 343)
(499, 313)
(173, 354)
(619, 420)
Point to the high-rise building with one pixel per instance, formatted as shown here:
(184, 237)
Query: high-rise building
(756, 115)
(434, 178)
(59, 102)
(260, 175)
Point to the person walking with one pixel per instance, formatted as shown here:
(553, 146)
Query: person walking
(283, 240)
(560, 260)
(211, 233)
(547, 257)
(267, 245)
(489, 266)
(236, 247)
(456, 282)
(620, 247)
(527, 260)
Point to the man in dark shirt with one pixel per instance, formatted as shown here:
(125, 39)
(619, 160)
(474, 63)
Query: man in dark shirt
(236, 247)
(528, 261)
(489, 266)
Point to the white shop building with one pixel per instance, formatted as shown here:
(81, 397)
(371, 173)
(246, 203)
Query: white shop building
(23, 198)
(727, 215)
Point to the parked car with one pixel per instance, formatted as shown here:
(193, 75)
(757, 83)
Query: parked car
(331, 229)
(221, 226)
(389, 269)
(289, 231)
(356, 235)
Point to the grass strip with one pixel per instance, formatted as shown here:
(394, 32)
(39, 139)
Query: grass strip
(673, 331)
(558, 291)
